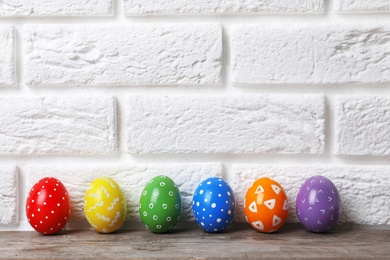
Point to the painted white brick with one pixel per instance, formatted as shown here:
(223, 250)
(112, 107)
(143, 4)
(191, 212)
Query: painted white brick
(364, 190)
(7, 73)
(285, 124)
(132, 178)
(304, 55)
(165, 54)
(55, 7)
(364, 5)
(8, 195)
(57, 125)
(134, 7)
(363, 125)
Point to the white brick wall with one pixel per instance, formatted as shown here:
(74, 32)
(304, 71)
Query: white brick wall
(7, 72)
(123, 54)
(362, 6)
(226, 124)
(363, 125)
(51, 125)
(193, 89)
(55, 7)
(8, 195)
(307, 55)
(135, 7)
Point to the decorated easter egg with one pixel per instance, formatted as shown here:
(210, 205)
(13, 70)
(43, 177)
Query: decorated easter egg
(213, 205)
(105, 206)
(266, 205)
(48, 206)
(318, 204)
(160, 204)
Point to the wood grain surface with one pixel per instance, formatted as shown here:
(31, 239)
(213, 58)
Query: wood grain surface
(238, 242)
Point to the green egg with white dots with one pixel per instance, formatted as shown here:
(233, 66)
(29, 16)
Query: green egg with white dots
(160, 204)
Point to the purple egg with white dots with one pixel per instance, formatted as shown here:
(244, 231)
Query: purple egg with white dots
(318, 204)
(213, 205)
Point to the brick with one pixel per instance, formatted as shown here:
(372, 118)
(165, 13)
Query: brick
(55, 7)
(54, 125)
(7, 73)
(285, 124)
(165, 54)
(364, 190)
(132, 178)
(363, 6)
(8, 195)
(306, 55)
(136, 7)
(363, 125)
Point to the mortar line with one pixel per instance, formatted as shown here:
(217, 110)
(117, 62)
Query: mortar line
(18, 59)
(329, 127)
(223, 89)
(328, 18)
(302, 159)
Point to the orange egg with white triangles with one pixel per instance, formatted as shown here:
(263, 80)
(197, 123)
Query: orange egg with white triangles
(266, 205)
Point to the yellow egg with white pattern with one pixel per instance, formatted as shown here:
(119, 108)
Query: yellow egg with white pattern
(105, 206)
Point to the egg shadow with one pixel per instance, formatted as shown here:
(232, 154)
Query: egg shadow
(290, 228)
(174, 231)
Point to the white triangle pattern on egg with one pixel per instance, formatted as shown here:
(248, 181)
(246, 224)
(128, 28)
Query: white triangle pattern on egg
(259, 189)
(258, 224)
(276, 220)
(253, 207)
(270, 203)
(276, 188)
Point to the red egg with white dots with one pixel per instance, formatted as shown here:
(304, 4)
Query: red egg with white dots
(48, 206)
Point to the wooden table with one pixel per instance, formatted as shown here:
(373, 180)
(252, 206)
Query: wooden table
(239, 241)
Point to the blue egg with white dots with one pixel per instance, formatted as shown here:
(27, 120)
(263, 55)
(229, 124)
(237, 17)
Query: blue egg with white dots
(213, 205)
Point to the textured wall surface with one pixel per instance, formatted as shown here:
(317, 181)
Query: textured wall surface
(217, 124)
(364, 6)
(362, 125)
(8, 195)
(55, 7)
(239, 89)
(7, 72)
(57, 125)
(119, 55)
(305, 55)
(143, 7)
